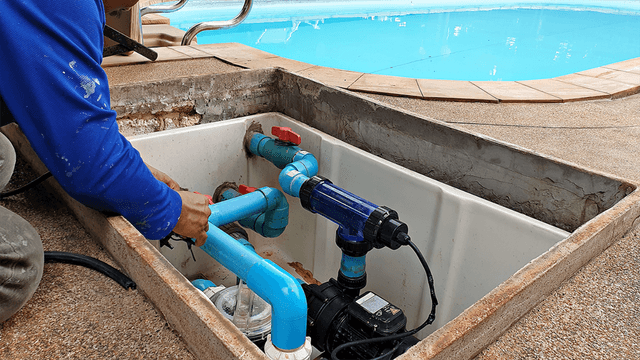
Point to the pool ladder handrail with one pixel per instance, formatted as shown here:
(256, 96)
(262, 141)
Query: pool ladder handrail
(216, 25)
(159, 9)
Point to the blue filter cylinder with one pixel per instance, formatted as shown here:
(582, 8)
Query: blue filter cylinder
(343, 208)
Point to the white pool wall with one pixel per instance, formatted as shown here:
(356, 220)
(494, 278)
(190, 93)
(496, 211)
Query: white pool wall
(471, 245)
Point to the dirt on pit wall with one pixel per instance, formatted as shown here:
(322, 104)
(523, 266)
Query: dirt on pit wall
(305, 274)
(144, 123)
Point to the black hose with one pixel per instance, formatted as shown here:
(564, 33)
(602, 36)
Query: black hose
(91, 263)
(429, 320)
(33, 183)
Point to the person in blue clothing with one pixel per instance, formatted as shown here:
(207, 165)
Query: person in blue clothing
(52, 83)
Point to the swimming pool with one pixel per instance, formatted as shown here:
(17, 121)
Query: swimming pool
(425, 39)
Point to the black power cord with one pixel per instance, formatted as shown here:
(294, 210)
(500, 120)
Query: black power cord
(389, 353)
(71, 258)
(91, 263)
(404, 239)
(33, 183)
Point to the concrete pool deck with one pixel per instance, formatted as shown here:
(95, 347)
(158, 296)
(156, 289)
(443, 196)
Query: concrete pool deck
(593, 315)
(606, 82)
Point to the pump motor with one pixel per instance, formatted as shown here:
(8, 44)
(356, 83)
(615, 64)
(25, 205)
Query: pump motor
(335, 318)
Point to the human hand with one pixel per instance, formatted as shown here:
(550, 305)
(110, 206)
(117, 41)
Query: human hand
(194, 218)
(160, 176)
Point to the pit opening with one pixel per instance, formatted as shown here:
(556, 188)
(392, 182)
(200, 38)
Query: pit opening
(595, 209)
(471, 244)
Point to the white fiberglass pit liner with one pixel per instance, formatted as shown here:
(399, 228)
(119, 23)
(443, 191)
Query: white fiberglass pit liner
(472, 245)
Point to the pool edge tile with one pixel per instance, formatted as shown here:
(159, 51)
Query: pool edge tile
(120, 60)
(614, 88)
(279, 62)
(631, 65)
(387, 85)
(192, 52)
(234, 52)
(331, 76)
(453, 90)
(512, 91)
(602, 72)
(566, 91)
(169, 54)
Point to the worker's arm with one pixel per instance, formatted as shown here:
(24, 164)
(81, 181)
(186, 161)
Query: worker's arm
(52, 82)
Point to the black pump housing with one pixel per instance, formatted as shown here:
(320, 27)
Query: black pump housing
(335, 318)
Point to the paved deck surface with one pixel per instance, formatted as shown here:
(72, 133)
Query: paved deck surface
(79, 314)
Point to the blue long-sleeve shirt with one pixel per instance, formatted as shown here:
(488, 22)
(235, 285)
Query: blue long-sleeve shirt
(52, 83)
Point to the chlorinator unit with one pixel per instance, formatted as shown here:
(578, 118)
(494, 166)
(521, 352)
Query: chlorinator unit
(333, 317)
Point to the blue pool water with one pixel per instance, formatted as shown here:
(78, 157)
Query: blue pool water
(425, 40)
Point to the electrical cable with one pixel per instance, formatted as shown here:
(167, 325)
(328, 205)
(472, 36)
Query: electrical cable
(33, 183)
(75, 259)
(91, 263)
(388, 353)
(429, 320)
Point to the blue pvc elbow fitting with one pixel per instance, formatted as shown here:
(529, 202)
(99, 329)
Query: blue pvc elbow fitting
(298, 165)
(281, 290)
(292, 177)
(202, 284)
(270, 222)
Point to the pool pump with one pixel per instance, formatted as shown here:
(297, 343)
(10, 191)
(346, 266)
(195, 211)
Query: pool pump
(336, 318)
(340, 321)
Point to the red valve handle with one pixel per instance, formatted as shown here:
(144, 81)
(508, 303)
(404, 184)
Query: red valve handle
(244, 189)
(207, 196)
(286, 134)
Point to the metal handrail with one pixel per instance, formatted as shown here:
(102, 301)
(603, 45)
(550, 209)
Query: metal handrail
(215, 25)
(157, 9)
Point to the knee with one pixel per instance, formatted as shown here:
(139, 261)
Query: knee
(21, 262)
(7, 160)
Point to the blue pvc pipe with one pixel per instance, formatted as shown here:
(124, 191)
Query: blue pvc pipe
(279, 153)
(262, 200)
(352, 267)
(281, 290)
(226, 212)
(202, 284)
(272, 221)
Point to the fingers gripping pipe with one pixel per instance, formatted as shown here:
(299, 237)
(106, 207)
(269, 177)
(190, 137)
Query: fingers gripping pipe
(281, 290)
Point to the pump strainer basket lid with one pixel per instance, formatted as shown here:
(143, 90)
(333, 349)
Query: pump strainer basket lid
(258, 325)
